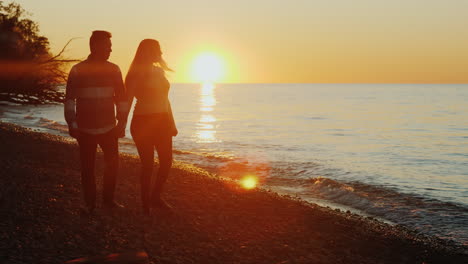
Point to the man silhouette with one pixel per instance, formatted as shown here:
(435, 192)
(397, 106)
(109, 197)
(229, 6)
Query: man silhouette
(93, 89)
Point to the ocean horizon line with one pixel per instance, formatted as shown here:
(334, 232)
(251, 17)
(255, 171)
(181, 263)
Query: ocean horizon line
(332, 83)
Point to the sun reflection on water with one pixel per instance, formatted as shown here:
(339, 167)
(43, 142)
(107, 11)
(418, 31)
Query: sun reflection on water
(206, 132)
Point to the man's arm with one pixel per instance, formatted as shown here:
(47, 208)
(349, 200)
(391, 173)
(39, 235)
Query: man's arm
(70, 103)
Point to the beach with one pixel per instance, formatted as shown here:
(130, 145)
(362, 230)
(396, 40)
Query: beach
(215, 220)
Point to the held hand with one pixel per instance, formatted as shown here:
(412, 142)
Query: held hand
(73, 132)
(119, 130)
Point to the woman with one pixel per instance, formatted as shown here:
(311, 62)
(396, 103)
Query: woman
(152, 124)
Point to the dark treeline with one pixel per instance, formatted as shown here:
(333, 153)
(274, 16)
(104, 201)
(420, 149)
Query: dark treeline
(29, 73)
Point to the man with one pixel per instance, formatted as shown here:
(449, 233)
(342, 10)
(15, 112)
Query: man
(94, 87)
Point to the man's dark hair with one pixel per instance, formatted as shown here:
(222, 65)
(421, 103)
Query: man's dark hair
(99, 35)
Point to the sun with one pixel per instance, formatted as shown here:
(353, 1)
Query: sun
(207, 67)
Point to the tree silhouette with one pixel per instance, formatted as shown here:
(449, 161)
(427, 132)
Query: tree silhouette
(29, 73)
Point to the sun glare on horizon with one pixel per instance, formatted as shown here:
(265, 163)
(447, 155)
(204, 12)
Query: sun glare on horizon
(207, 67)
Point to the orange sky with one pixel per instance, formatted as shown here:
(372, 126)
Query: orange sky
(270, 41)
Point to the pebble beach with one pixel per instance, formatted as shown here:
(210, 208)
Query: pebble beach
(215, 220)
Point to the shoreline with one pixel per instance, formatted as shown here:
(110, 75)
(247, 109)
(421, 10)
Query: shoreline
(216, 222)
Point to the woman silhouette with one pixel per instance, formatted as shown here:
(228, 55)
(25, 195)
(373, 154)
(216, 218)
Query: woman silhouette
(152, 125)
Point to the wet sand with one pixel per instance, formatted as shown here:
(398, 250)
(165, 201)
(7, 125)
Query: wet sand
(216, 221)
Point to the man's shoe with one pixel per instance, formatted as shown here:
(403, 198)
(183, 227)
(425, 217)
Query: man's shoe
(113, 205)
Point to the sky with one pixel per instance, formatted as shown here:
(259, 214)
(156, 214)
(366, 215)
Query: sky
(275, 41)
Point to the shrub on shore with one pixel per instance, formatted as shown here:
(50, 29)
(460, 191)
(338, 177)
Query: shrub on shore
(29, 73)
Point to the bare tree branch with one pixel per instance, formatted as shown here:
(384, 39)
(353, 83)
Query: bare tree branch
(60, 53)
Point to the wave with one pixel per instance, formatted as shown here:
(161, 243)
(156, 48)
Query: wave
(50, 124)
(339, 193)
(431, 216)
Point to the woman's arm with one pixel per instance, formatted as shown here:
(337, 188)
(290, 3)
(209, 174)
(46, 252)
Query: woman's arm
(172, 124)
(164, 82)
(130, 85)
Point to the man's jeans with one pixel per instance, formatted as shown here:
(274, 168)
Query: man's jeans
(88, 146)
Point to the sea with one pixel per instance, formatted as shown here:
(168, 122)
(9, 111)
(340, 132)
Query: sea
(396, 152)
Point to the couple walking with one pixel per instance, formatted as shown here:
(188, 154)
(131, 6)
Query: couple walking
(94, 89)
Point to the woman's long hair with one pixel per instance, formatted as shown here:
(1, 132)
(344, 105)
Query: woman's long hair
(147, 54)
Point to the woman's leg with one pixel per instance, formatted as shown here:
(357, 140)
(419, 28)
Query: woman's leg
(146, 152)
(145, 149)
(164, 149)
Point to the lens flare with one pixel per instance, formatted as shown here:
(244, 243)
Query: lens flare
(249, 182)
